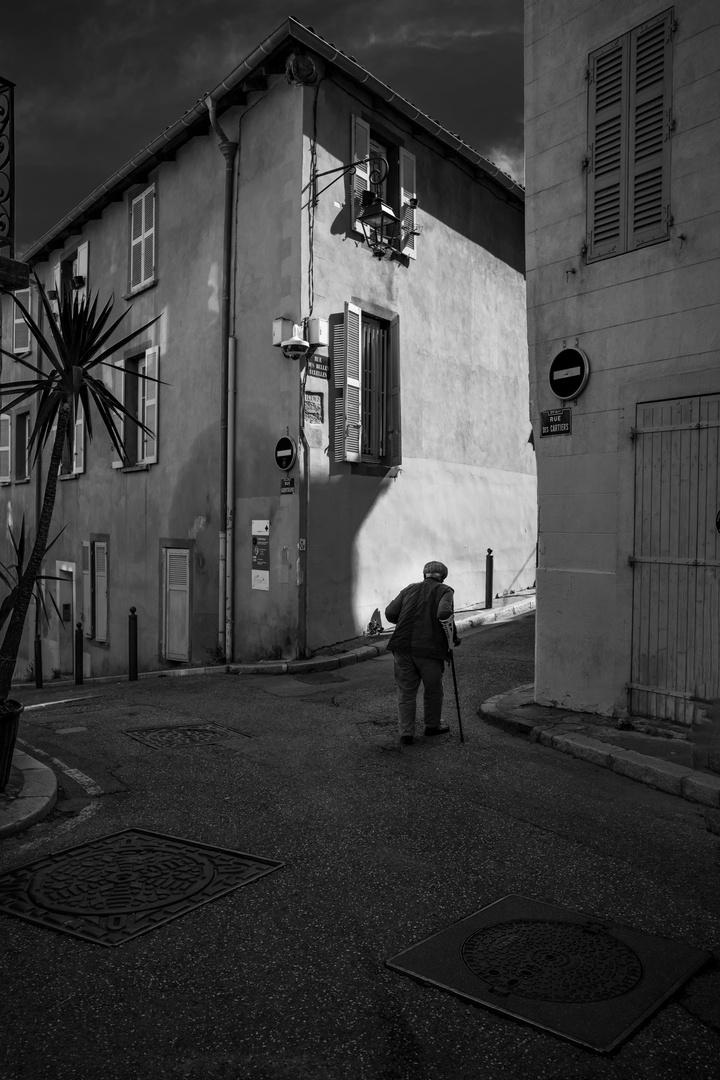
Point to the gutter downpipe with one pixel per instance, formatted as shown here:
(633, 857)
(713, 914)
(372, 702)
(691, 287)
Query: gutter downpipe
(227, 451)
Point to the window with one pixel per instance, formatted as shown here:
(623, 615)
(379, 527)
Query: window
(398, 188)
(95, 589)
(21, 330)
(73, 456)
(629, 125)
(366, 372)
(70, 277)
(5, 448)
(176, 603)
(22, 434)
(142, 239)
(141, 400)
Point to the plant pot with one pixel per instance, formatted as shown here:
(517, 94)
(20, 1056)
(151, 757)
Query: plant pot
(10, 712)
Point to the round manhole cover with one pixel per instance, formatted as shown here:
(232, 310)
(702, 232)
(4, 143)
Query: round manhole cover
(552, 961)
(120, 882)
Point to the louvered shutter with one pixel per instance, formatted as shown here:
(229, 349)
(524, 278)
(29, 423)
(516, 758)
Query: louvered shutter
(57, 286)
(347, 372)
(78, 464)
(142, 239)
(649, 132)
(81, 269)
(407, 213)
(5, 454)
(394, 441)
(148, 394)
(607, 169)
(360, 150)
(176, 566)
(149, 235)
(118, 389)
(87, 613)
(101, 591)
(21, 330)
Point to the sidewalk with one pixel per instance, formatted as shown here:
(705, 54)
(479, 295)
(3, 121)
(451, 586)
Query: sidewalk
(678, 761)
(32, 790)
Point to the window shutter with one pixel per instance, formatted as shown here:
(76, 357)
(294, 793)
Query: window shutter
(347, 371)
(57, 286)
(649, 132)
(78, 465)
(360, 150)
(177, 603)
(118, 389)
(101, 591)
(607, 170)
(87, 612)
(21, 330)
(407, 213)
(81, 269)
(5, 454)
(149, 235)
(394, 441)
(148, 394)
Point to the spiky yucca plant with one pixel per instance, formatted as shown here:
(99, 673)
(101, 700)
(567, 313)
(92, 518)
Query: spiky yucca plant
(76, 345)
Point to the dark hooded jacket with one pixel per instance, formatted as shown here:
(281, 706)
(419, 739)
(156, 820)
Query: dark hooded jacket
(417, 611)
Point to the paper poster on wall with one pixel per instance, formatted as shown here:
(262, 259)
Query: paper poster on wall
(261, 555)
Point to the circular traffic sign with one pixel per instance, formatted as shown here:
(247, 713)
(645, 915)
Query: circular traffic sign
(285, 453)
(569, 372)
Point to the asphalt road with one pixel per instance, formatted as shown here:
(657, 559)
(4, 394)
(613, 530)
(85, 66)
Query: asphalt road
(382, 847)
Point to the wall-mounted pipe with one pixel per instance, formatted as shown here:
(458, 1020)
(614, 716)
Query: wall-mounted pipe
(225, 597)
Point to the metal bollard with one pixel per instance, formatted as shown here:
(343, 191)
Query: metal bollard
(489, 578)
(132, 646)
(38, 664)
(78, 654)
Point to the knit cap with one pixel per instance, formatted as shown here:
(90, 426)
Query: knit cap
(435, 570)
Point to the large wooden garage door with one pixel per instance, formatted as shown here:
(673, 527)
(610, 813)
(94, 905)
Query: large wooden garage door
(676, 557)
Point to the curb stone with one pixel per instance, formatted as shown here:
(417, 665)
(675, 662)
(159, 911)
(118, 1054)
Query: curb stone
(34, 800)
(680, 780)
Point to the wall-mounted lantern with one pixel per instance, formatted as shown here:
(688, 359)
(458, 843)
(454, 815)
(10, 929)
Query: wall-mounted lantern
(380, 225)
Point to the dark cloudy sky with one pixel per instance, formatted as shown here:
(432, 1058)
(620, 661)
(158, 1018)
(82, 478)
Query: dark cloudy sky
(99, 79)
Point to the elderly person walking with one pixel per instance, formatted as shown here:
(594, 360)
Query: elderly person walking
(421, 649)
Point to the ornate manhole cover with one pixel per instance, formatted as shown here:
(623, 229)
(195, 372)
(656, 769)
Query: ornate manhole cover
(119, 886)
(170, 736)
(552, 961)
(591, 982)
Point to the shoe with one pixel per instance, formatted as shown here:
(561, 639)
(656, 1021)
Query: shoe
(406, 740)
(438, 729)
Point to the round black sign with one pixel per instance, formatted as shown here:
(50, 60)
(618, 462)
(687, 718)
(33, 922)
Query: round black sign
(285, 453)
(569, 372)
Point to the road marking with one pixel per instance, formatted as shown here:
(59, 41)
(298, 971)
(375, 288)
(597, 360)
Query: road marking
(79, 777)
(62, 701)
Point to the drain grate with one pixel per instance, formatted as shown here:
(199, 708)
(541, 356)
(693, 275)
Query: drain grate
(588, 981)
(120, 886)
(171, 736)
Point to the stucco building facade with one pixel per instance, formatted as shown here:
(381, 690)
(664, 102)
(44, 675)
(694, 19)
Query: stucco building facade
(406, 421)
(623, 274)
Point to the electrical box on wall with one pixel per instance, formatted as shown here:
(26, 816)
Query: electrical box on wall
(318, 332)
(282, 330)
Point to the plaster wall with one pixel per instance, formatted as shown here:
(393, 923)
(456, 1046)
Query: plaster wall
(467, 480)
(176, 500)
(648, 320)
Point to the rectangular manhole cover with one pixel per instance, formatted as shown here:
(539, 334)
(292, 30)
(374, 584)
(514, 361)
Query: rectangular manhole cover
(119, 886)
(170, 736)
(588, 981)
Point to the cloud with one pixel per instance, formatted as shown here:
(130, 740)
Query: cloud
(410, 36)
(510, 159)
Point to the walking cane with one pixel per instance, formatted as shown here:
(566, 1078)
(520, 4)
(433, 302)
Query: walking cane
(457, 699)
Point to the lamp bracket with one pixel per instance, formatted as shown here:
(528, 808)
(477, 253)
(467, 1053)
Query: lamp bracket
(378, 172)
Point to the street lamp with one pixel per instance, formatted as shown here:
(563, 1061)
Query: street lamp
(380, 224)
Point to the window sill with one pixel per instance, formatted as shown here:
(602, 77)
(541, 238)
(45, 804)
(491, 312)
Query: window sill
(68, 476)
(140, 288)
(140, 467)
(366, 468)
(22, 480)
(5, 483)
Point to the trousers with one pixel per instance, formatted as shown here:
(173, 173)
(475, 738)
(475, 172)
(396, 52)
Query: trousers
(410, 671)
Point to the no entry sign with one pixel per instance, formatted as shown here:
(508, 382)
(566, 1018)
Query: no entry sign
(285, 453)
(569, 372)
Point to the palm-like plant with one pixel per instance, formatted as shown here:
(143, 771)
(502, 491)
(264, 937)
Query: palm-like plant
(76, 346)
